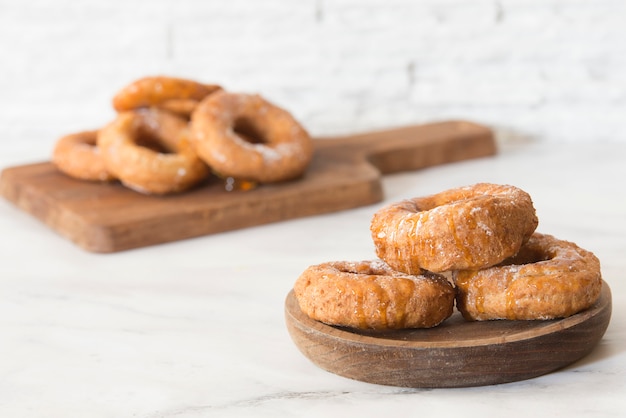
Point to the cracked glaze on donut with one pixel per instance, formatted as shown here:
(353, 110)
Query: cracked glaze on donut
(370, 295)
(470, 227)
(549, 278)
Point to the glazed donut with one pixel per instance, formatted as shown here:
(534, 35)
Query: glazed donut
(176, 95)
(370, 295)
(78, 156)
(148, 150)
(472, 227)
(245, 137)
(548, 278)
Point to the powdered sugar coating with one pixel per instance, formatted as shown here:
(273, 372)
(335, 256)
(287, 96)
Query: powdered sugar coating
(147, 170)
(246, 137)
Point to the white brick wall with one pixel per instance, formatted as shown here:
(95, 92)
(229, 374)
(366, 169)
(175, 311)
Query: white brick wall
(554, 70)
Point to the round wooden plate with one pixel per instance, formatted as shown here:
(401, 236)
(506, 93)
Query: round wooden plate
(456, 353)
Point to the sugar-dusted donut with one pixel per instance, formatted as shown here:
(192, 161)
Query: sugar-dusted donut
(78, 156)
(470, 227)
(149, 151)
(370, 295)
(246, 137)
(549, 278)
(177, 95)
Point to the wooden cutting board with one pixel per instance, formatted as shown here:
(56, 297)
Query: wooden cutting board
(456, 353)
(345, 173)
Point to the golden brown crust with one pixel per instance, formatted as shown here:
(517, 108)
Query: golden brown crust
(78, 156)
(549, 278)
(471, 227)
(149, 151)
(246, 137)
(177, 95)
(370, 295)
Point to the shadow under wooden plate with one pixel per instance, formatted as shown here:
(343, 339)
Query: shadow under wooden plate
(456, 353)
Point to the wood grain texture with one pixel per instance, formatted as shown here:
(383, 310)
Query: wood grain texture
(345, 173)
(456, 353)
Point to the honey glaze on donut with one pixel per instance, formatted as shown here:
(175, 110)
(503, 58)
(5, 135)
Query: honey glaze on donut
(470, 227)
(246, 137)
(78, 156)
(370, 295)
(549, 278)
(176, 95)
(149, 151)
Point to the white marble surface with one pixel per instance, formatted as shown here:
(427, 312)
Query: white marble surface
(196, 328)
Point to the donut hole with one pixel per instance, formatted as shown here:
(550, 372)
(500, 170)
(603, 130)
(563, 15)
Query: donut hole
(527, 255)
(246, 129)
(146, 139)
(88, 140)
(363, 269)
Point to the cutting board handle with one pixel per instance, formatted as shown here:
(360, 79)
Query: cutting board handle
(414, 147)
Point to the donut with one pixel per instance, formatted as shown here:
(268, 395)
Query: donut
(176, 95)
(149, 151)
(78, 156)
(548, 279)
(246, 137)
(370, 295)
(471, 227)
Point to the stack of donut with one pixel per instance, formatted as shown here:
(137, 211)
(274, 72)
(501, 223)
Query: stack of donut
(171, 133)
(475, 244)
